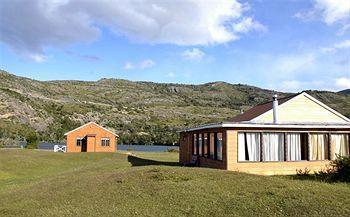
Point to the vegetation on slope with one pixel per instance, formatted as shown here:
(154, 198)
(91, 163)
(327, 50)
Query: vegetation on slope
(40, 183)
(140, 112)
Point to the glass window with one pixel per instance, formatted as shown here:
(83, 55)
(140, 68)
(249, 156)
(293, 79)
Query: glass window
(212, 146)
(105, 142)
(249, 147)
(318, 146)
(219, 146)
(79, 141)
(206, 145)
(296, 146)
(194, 144)
(273, 147)
(339, 145)
(200, 145)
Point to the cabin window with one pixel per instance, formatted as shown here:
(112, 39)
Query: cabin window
(105, 142)
(206, 144)
(200, 145)
(212, 146)
(79, 141)
(318, 146)
(194, 149)
(339, 145)
(296, 146)
(273, 146)
(219, 146)
(249, 147)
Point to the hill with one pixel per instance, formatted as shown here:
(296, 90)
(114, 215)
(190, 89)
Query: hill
(346, 92)
(151, 184)
(140, 112)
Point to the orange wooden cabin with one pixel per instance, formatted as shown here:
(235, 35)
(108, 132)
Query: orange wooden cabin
(91, 137)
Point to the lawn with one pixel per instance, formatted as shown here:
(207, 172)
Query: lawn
(42, 183)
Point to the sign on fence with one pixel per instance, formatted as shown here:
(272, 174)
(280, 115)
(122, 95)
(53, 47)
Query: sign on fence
(60, 148)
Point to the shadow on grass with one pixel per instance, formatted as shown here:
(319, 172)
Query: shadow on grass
(136, 161)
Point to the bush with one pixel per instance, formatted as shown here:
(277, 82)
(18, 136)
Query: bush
(173, 150)
(301, 172)
(338, 171)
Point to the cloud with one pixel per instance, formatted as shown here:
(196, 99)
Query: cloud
(291, 65)
(171, 75)
(247, 24)
(337, 46)
(87, 57)
(147, 63)
(343, 45)
(329, 11)
(342, 83)
(37, 58)
(193, 54)
(30, 27)
(128, 66)
(336, 84)
(296, 86)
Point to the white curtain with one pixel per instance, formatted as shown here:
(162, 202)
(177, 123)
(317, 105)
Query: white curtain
(273, 146)
(339, 145)
(219, 146)
(293, 146)
(241, 147)
(317, 144)
(253, 146)
(200, 148)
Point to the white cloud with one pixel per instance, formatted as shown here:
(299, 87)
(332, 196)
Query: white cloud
(29, 27)
(147, 64)
(329, 11)
(343, 45)
(193, 54)
(129, 66)
(291, 65)
(247, 24)
(37, 58)
(144, 64)
(337, 46)
(342, 83)
(296, 86)
(336, 84)
(171, 75)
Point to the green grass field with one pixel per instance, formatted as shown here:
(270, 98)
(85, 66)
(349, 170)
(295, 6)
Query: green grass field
(42, 183)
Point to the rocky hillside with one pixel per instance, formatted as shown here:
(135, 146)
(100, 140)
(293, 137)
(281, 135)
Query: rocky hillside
(140, 112)
(346, 92)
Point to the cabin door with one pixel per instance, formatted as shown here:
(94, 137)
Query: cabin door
(91, 142)
(84, 145)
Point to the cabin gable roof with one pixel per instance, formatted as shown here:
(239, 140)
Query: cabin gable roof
(89, 124)
(297, 108)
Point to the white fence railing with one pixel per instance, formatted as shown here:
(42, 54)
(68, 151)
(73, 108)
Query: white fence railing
(60, 148)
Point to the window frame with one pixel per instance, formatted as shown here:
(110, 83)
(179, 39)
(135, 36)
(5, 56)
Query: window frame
(80, 139)
(307, 146)
(105, 139)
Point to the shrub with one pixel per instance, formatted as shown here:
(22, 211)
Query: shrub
(301, 172)
(338, 171)
(173, 150)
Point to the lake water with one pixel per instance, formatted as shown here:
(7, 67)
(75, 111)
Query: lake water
(150, 148)
(146, 148)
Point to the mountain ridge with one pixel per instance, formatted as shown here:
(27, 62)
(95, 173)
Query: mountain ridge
(140, 112)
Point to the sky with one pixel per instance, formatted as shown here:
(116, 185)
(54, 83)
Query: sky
(284, 45)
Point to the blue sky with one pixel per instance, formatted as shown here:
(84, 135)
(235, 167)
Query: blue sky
(288, 45)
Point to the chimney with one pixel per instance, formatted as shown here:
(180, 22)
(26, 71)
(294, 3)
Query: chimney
(275, 109)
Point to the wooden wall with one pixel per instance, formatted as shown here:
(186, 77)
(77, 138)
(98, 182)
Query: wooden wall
(301, 109)
(268, 168)
(230, 154)
(93, 142)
